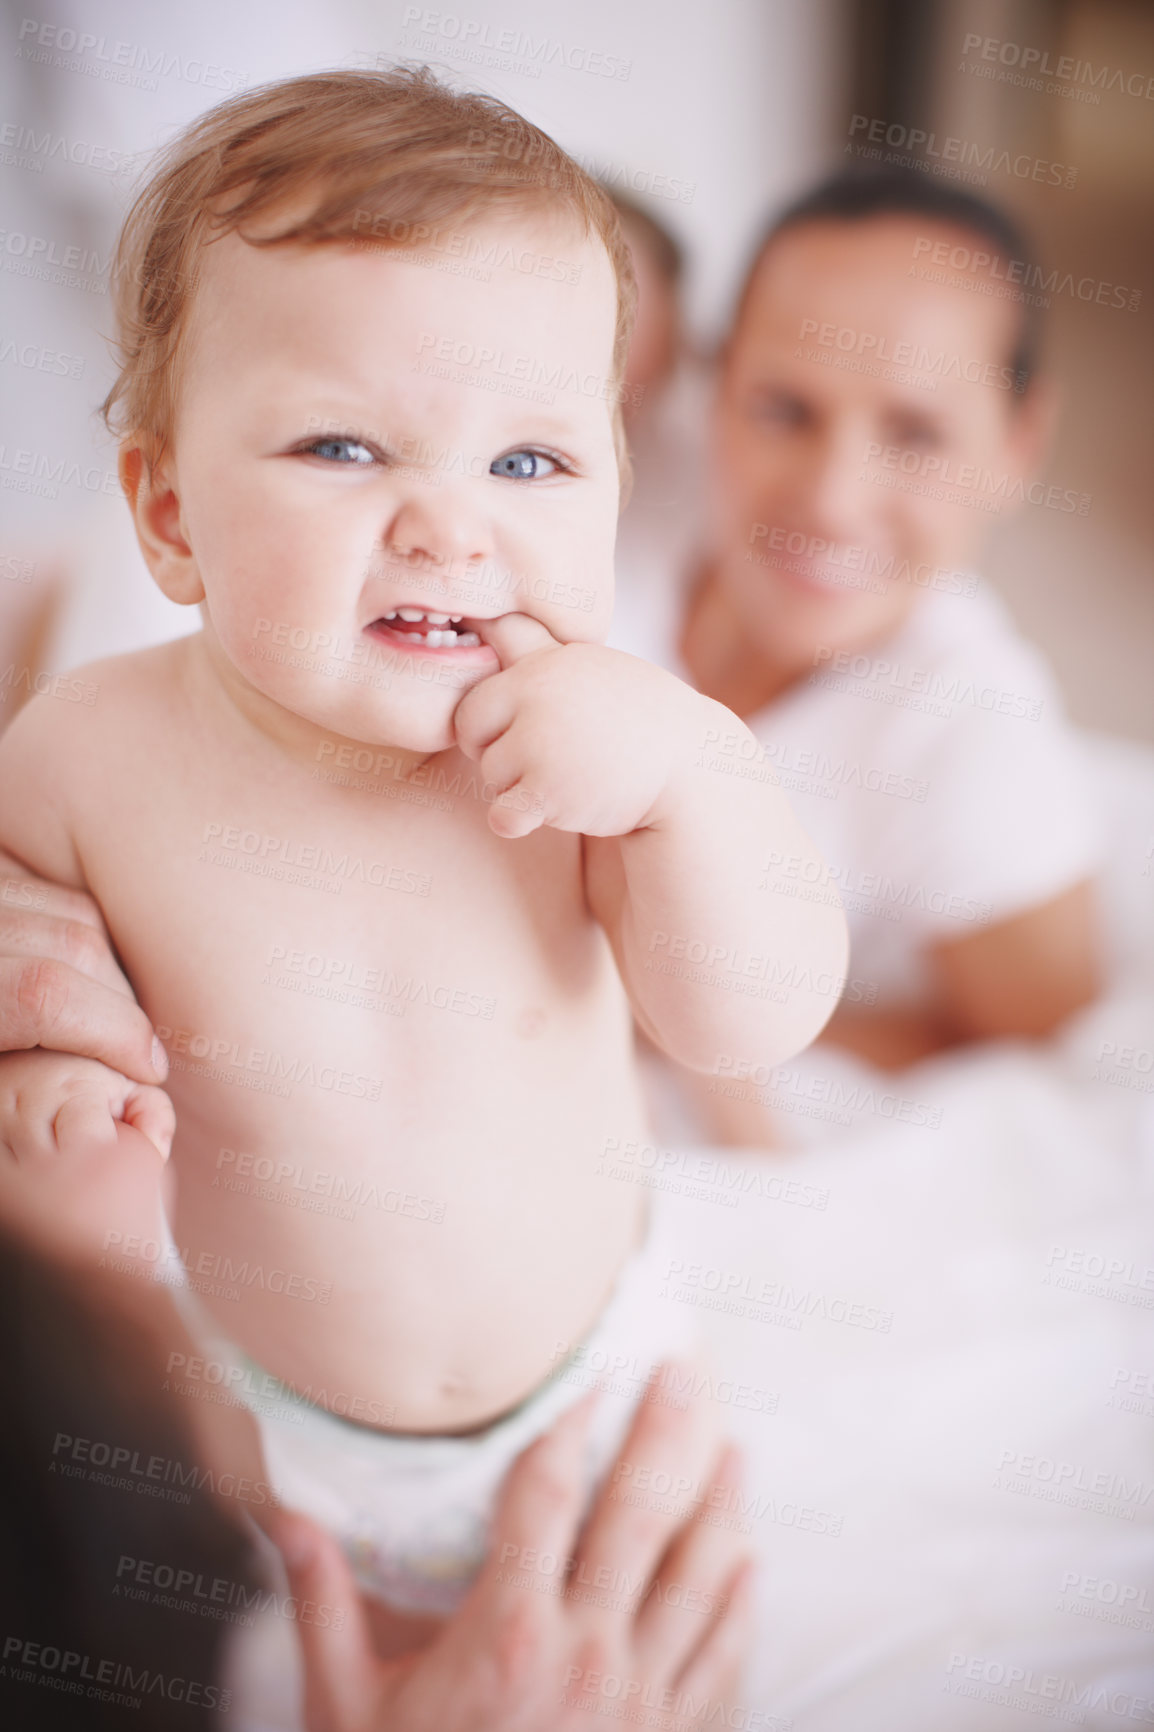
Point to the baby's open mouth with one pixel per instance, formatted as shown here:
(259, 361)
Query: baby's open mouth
(421, 630)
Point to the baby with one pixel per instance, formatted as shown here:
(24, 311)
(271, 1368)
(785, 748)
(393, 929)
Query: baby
(372, 332)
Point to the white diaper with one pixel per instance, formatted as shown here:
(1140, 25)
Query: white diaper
(413, 1512)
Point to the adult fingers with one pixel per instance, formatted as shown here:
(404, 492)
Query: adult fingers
(341, 1672)
(64, 937)
(688, 1593)
(150, 1111)
(653, 1487)
(22, 890)
(714, 1672)
(44, 1002)
(538, 1513)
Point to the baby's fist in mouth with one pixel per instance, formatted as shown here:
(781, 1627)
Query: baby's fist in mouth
(574, 736)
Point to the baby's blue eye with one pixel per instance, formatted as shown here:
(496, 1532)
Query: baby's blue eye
(524, 465)
(331, 450)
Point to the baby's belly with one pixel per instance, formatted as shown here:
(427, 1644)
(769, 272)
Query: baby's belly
(415, 1281)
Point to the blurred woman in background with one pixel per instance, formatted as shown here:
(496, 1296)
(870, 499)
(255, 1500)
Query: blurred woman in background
(875, 411)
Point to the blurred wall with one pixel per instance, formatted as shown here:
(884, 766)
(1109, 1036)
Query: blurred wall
(1050, 107)
(712, 115)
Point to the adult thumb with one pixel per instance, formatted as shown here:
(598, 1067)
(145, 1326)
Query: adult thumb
(336, 1645)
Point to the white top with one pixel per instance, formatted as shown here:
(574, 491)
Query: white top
(937, 775)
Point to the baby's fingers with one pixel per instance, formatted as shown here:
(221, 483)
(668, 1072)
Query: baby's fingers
(85, 1121)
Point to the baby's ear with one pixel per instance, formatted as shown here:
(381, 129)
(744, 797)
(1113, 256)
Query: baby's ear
(155, 507)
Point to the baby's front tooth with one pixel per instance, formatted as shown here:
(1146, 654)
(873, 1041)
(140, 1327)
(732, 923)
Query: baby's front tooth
(435, 639)
(437, 618)
(410, 614)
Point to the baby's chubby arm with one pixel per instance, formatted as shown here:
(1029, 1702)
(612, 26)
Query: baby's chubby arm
(683, 861)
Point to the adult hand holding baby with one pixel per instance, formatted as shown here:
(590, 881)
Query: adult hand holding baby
(60, 986)
(573, 735)
(533, 1649)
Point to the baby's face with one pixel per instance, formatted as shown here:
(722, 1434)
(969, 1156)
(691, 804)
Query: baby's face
(375, 458)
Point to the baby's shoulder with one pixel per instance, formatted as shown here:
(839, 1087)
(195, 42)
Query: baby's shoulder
(138, 688)
(77, 727)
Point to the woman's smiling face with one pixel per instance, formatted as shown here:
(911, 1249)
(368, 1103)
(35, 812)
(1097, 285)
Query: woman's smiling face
(361, 439)
(844, 363)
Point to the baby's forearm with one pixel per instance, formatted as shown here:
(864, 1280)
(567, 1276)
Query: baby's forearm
(720, 960)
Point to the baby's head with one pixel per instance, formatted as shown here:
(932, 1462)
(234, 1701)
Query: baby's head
(876, 411)
(372, 334)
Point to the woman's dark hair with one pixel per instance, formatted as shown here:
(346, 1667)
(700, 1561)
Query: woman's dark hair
(82, 1645)
(864, 194)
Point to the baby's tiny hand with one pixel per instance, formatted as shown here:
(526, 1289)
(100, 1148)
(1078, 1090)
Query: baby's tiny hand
(576, 736)
(52, 1103)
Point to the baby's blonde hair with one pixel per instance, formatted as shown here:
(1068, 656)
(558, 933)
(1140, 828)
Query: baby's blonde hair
(380, 154)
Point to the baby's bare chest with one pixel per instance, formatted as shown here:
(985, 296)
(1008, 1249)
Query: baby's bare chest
(379, 951)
